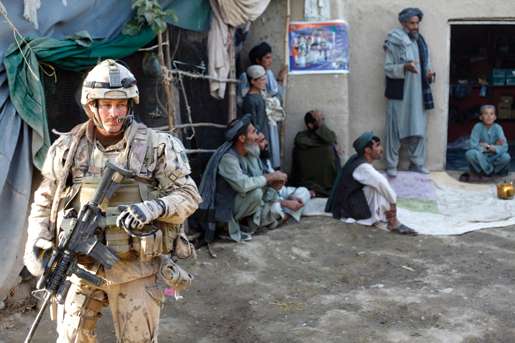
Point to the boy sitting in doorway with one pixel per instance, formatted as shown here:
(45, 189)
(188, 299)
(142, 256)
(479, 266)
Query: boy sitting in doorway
(488, 154)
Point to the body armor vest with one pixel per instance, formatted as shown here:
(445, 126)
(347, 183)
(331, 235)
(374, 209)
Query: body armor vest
(128, 192)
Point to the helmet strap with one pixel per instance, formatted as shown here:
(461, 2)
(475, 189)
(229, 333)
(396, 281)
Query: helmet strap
(129, 117)
(96, 115)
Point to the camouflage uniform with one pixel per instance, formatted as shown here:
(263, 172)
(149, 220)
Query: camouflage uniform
(130, 286)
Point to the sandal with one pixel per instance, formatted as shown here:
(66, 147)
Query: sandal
(404, 230)
(465, 177)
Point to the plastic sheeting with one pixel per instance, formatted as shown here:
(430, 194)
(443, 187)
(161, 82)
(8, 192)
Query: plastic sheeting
(27, 93)
(15, 188)
(194, 15)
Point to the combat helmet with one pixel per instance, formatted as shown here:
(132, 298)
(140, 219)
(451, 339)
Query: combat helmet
(108, 80)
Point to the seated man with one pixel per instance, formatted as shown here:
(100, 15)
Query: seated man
(488, 155)
(233, 184)
(361, 194)
(315, 160)
(291, 199)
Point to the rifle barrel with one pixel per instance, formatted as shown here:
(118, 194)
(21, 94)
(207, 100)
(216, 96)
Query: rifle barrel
(38, 318)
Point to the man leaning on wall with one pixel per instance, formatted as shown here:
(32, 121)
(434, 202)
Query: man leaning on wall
(408, 74)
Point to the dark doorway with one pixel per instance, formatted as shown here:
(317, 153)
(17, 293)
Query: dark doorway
(482, 71)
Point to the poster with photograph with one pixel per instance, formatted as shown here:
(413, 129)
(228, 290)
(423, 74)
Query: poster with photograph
(318, 47)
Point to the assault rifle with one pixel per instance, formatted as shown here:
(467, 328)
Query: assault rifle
(79, 239)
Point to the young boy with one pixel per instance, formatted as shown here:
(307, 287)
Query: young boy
(488, 154)
(253, 102)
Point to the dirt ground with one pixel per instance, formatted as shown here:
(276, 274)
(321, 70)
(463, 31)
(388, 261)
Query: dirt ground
(325, 281)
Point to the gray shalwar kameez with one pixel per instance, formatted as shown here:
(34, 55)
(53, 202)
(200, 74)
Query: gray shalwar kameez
(405, 118)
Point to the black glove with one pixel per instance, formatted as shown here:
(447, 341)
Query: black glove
(138, 215)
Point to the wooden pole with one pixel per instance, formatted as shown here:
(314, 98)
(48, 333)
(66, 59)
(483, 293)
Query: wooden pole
(285, 78)
(167, 83)
(232, 75)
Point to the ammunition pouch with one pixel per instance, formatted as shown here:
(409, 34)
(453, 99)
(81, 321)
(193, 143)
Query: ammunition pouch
(168, 238)
(172, 275)
(169, 275)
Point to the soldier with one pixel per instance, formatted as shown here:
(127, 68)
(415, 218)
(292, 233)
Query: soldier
(167, 197)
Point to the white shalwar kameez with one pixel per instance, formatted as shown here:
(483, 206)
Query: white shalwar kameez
(378, 192)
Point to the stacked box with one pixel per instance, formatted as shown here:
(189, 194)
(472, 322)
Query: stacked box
(504, 107)
(498, 77)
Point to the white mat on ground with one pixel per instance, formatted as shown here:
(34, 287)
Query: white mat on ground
(459, 207)
(462, 208)
(316, 207)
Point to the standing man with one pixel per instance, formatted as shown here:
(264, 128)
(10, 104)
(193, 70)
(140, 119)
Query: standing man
(408, 76)
(71, 173)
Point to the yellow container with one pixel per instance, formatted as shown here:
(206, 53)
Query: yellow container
(505, 190)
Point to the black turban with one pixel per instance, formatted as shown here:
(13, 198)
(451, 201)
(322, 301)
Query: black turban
(409, 12)
(238, 127)
(257, 52)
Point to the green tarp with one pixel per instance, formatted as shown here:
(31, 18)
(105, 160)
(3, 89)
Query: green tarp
(26, 92)
(191, 15)
(77, 53)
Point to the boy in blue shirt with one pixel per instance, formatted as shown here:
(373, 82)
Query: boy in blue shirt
(488, 154)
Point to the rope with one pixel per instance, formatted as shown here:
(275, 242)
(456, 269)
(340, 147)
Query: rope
(168, 73)
(51, 73)
(188, 108)
(168, 76)
(17, 34)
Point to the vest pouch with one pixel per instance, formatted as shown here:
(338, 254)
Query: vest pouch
(170, 233)
(183, 248)
(148, 247)
(118, 241)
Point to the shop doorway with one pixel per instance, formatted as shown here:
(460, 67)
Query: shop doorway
(482, 71)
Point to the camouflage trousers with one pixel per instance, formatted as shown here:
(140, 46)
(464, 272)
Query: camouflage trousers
(135, 312)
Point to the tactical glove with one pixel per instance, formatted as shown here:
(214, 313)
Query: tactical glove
(34, 256)
(137, 215)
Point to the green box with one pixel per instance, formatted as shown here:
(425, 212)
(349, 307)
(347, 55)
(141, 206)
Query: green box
(510, 81)
(498, 72)
(498, 81)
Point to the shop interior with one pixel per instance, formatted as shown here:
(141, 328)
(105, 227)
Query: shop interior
(482, 71)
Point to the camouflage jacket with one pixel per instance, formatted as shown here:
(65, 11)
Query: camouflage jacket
(165, 164)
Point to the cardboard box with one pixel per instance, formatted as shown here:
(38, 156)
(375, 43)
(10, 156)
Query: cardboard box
(504, 113)
(504, 107)
(505, 101)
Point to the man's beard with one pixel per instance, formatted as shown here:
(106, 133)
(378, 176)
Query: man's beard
(413, 35)
(264, 154)
(252, 149)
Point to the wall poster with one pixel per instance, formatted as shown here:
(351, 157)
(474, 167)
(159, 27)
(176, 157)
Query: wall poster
(318, 47)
